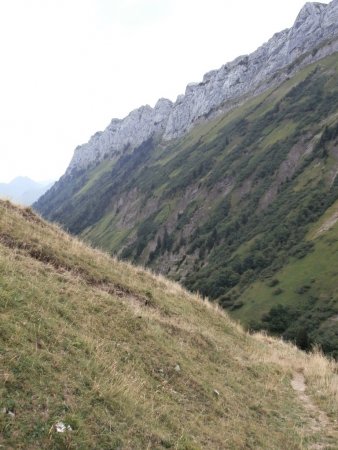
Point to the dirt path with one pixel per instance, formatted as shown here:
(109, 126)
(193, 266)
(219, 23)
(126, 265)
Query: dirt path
(317, 420)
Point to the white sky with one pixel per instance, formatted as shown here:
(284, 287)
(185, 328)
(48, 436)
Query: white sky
(67, 67)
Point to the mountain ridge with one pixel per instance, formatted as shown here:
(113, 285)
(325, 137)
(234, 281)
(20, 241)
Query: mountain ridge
(248, 74)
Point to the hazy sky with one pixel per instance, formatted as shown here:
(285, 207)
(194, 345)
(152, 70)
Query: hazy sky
(69, 66)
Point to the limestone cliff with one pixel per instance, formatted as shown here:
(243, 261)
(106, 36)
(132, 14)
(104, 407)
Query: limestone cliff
(313, 36)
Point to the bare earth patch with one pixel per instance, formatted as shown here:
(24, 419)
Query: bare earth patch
(327, 224)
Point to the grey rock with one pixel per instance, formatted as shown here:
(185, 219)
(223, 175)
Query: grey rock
(61, 427)
(122, 135)
(7, 411)
(315, 23)
(313, 36)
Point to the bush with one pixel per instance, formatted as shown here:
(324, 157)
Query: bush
(273, 282)
(277, 291)
(278, 319)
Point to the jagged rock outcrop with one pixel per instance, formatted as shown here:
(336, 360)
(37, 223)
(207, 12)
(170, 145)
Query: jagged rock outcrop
(313, 36)
(137, 127)
(315, 23)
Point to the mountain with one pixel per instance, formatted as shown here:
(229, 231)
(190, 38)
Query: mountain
(23, 190)
(96, 353)
(231, 190)
(313, 36)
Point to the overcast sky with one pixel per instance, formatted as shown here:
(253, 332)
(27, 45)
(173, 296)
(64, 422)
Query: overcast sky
(69, 66)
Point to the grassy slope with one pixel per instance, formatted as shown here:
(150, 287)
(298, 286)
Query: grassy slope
(94, 342)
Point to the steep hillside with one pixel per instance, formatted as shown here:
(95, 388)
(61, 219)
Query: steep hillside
(115, 357)
(228, 204)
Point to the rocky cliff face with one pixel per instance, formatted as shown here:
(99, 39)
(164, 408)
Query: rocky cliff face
(313, 36)
(121, 135)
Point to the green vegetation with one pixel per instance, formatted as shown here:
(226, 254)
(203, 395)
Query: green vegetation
(308, 299)
(229, 207)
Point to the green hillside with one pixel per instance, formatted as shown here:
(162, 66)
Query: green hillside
(302, 295)
(227, 209)
(123, 359)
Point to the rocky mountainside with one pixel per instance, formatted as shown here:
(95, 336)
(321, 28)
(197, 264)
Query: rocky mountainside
(241, 207)
(313, 36)
(98, 354)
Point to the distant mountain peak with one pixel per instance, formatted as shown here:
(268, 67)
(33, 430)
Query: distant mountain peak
(24, 190)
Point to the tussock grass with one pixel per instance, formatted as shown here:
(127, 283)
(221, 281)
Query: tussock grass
(131, 360)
